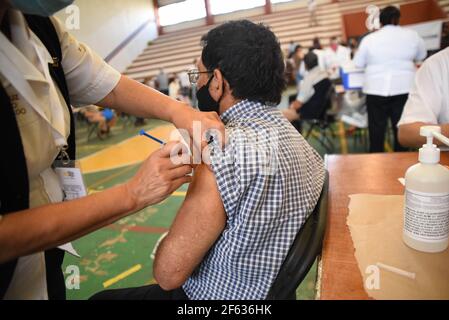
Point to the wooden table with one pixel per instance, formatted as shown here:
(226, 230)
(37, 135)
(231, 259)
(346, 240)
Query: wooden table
(338, 275)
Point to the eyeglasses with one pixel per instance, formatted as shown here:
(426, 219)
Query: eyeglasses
(194, 75)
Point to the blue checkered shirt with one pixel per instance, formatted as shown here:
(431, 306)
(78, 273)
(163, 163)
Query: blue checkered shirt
(269, 179)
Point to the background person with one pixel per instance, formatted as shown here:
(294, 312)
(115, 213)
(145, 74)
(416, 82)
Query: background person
(388, 57)
(335, 56)
(428, 101)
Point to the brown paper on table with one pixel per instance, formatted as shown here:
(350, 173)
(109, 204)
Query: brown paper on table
(375, 222)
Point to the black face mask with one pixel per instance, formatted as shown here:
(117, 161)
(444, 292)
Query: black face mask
(205, 101)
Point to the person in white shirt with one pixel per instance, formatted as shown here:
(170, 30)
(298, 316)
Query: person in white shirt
(184, 82)
(428, 101)
(335, 56)
(318, 50)
(312, 6)
(162, 81)
(291, 47)
(320, 53)
(174, 87)
(388, 56)
(308, 103)
(36, 91)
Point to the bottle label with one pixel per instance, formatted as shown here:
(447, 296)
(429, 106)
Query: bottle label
(426, 216)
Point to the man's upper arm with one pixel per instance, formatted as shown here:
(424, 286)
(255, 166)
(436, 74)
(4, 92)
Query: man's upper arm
(197, 226)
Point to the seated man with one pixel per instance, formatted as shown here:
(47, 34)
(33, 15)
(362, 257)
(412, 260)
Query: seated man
(428, 101)
(310, 102)
(241, 214)
(105, 118)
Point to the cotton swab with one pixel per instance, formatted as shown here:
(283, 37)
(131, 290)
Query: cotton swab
(400, 272)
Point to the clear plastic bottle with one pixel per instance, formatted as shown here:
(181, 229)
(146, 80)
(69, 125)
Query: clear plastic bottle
(426, 210)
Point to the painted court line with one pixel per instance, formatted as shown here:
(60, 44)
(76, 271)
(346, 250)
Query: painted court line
(342, 135)
(128, 152)
(122, 276)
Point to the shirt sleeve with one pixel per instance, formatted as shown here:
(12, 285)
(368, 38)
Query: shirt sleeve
(306, 91)
(422, 50)
(347, 55)
(426, 96)
(89, 78)
(360, 59)
(224, 165)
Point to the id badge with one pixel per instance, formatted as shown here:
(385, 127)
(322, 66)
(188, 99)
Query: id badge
(71, 179)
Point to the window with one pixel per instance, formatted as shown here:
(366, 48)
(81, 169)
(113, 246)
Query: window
(182, 11)
(220, 6)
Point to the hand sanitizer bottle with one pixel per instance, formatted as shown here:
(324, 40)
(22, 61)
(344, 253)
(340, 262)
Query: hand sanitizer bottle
(426, 209)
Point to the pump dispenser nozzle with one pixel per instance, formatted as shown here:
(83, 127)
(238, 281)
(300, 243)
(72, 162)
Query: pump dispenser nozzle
(429, 153)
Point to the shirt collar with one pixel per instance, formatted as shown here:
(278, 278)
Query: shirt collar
(240, 110)
(390, 26)
(315, 69)
(22, 51)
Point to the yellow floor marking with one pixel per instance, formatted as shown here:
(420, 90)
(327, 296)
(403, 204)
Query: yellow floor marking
(179, 193)
(388, 147)
(92, 191)
(130, 151)
(122, 276)
(152, 281)
(342, 135)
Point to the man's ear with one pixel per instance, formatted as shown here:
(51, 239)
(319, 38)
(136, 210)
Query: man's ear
(216, 87)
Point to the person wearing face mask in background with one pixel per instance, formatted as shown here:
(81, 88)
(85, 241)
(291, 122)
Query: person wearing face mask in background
(335, 56)
(43, 71)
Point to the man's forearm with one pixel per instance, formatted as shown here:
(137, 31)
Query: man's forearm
(134, 98)
(45, 227)
(409, 134)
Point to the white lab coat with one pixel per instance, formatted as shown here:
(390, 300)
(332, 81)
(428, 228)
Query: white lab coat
(388, 56)
(44, 121)
(428, 100)
(334, 60)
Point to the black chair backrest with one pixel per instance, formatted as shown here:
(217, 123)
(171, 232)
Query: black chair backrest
(303, 252)
(317, 107)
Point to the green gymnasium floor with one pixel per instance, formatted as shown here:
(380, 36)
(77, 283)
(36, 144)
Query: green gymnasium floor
(120, 255)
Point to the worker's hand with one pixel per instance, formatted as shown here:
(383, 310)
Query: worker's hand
(207, 121)
(157, 178)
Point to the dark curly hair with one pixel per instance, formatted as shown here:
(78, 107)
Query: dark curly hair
(249, 57)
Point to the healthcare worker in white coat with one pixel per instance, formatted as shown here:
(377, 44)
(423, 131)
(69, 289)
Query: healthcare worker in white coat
(428, 101)
(36, 125)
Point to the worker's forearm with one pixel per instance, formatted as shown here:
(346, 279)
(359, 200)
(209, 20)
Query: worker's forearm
(134, 98)
(45, 227)
(296, 105)
(409, 134)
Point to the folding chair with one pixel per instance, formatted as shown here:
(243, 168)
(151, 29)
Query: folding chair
(303, 252)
